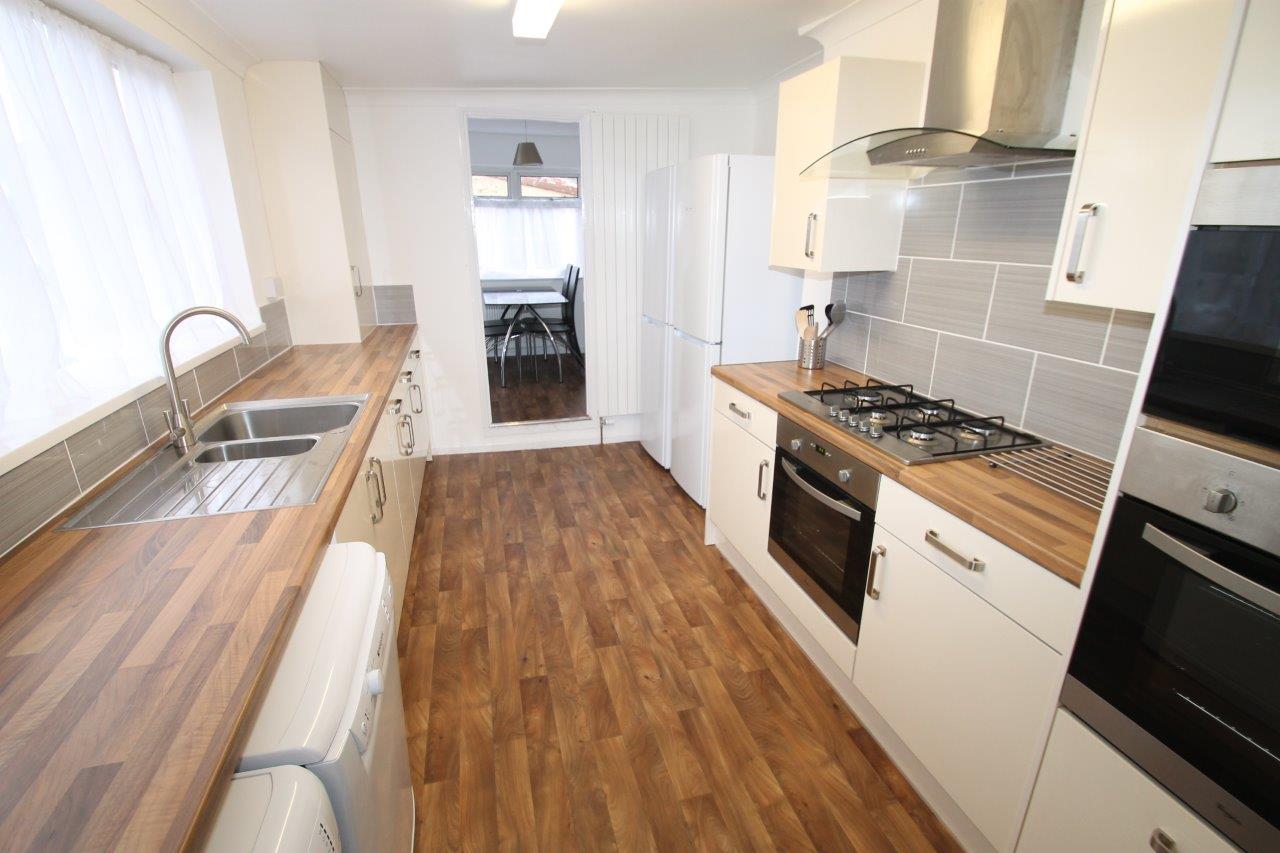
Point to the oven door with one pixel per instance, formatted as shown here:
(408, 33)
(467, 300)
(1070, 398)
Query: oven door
(822, 537)
(1178, 665)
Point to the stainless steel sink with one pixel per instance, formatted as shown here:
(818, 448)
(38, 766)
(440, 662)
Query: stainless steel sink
(248, 456)
(237, 424)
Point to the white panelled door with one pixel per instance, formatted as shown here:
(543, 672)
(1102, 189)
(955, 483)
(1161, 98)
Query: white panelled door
(619, 151)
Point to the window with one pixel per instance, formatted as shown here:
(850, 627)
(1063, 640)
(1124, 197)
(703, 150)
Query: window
(530, 228)
(104, 234)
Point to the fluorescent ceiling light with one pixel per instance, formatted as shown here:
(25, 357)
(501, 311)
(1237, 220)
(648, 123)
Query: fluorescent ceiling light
(532, 19)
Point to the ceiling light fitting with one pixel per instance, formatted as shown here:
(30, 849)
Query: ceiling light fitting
(526, 152)
(533, 19)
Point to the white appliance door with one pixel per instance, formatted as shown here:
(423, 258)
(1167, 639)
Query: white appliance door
(655, 389)
(691, 363)
(655, 299)
(759, 303)
(702, 194)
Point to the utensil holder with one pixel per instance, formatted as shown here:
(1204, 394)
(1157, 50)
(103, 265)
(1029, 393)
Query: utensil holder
(812, 354)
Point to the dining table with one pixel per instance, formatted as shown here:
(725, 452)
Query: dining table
(524, 301)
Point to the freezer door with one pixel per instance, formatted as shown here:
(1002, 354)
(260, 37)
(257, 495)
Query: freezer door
(655, 300)
(655, 389)
(702, 195)
(691, 361)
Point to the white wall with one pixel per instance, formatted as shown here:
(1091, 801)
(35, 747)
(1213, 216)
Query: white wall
(411, 152)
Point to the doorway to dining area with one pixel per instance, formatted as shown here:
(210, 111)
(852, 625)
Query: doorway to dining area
(527, 214)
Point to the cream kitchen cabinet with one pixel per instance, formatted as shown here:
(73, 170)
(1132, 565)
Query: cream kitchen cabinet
(828, 224)
(1090, 797)
(1145, 143)
(966, 689)
(1250, 125)
(739, 501)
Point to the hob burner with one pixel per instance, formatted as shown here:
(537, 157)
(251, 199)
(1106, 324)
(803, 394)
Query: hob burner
(978, 430)
(922, 435)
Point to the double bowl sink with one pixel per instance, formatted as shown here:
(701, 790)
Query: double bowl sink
(248, 456)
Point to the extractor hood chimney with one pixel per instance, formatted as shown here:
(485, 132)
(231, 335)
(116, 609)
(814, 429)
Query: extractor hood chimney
(998, 93)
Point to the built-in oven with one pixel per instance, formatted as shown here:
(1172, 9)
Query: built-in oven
(822, 521)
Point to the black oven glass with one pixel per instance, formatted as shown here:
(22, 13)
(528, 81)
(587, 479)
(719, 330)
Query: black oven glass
(1218, 365)
(1185, 658)
(831, 548)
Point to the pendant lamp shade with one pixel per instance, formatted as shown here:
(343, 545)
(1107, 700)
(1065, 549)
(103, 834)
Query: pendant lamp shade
(527, 155)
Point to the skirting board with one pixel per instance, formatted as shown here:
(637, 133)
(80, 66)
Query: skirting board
(528, 437)
(968, 835)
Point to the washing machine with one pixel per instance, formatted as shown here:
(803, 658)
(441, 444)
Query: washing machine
(277, 810)
(334, 705)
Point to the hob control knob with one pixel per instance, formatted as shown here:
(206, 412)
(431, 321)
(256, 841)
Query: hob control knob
(833, 411)
(876, 432)
(795, 444)
(1220, 500)
(844, 475)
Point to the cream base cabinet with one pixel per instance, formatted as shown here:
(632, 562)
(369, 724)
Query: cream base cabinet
(967, 689)
(1145, 144)
(827, 224)
(741, 482)
(1090, 797)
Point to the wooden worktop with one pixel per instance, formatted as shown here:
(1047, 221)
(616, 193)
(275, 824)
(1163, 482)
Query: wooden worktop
(132, 658)
(1037, 522)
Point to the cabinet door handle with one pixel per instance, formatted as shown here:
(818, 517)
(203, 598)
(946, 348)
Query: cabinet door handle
(742, 413)
(416, 407)
(973, 564)
(379, 491)
(358, 287)
(809, 223)
(382, 479)
(1162, 842)
(1083, 216)
(873, 591)
(406, 431)
(760, 493)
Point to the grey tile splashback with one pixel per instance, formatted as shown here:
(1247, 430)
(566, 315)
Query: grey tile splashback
(970, 320)
(38, 489)
(394, 304)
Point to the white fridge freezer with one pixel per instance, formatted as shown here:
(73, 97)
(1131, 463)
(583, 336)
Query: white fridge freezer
(655, 318)
(728, 306)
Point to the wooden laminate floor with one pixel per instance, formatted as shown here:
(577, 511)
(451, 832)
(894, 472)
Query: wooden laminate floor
(537, 398)
(582, 673)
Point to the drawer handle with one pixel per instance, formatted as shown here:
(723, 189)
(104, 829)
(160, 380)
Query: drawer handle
(873, 591)
(1083, 215)
(973, 564)
(764, 466)
(742, 413)
(1162, 842)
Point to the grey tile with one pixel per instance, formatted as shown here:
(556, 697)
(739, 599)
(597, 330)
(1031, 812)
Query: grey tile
(253, 355)
(899, 353)
(952, 296)
(929, 224)
(880, 294)
(276, 317)
(957, 175)
(394, 303)
(100, 448)
(366, 314)
(154, 403)
(33, 492)
(1081, 405)
(847, 344)
(1061, 166)
(1021, 316)
(1128, 340)
(216, 375)
(986, 378)
(1015, 220)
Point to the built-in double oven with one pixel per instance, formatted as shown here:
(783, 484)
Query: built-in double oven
(1177, 663)
(822, 521)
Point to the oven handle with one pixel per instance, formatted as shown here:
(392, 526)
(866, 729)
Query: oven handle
(831, 503)
(1216, 572)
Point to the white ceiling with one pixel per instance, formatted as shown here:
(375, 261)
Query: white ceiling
(468, 43)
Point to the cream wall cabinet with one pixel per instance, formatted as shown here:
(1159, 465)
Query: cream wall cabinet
(1146, 141)
(1250, 125)
(1090, 797)
(827, 224)
(301, 135)
(967, 689)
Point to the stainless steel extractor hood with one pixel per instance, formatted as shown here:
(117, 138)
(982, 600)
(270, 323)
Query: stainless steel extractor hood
(998, 93)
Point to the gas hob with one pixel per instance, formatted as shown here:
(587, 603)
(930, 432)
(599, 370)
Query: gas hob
(909, 426)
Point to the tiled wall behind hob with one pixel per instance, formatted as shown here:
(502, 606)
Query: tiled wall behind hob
(964, 314)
